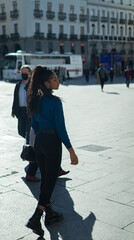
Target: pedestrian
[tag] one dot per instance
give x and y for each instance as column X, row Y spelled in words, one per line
column 86, row 74
column 127, row 76
column 19, row 110
column 49, row 126
column 111, row 75
column 102, row 76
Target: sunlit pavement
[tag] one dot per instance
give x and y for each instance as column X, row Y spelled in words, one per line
column 97, row 196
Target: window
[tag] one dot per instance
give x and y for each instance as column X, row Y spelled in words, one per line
column 82, row 11
column 103, row 30
column 49, row 28
column 93, row 29
column 3, row 29
column 82, row 30
column 61, row 7
column 112, row 31
column 121, row 1
column 112, row 1
column 121, row 32
column 14, row 5
column 2, row 8
column 130, row 2
column 50, row 47
column 121, row 15
column 38, row 46
column 130, row 32
column 92, row 12
column 103, row 13
column 72, row 9
column 71, row 29
column 15, row 28
column 61, row 29
column 130, row 16
column 37, row 5
column 112, row 14
column 49, row 6
column 37, row 27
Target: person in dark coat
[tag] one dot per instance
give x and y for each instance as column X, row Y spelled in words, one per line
column 19, row 110
column 102, row 76
column 86, row 74
column 111, row 75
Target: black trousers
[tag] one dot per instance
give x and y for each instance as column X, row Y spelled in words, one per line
column 24, row 125
column 48, row 149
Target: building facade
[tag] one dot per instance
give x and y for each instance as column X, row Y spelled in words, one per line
column 86, row 27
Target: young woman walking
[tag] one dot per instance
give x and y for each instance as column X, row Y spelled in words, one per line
column 49, row 126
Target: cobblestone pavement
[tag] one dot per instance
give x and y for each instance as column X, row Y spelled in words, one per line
column 97, row 196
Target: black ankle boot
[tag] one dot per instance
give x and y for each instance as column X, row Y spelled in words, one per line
column 34, row 222
column 52, row 217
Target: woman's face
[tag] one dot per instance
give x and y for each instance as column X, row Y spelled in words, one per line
column 53, row 83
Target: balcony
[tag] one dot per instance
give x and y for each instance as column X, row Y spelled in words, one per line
column 38, row 35
column 38, row 13
column 83, row 18
column 111, row 38
column 83, row 37
column 73, row 36
column 113, row 20
column 50, row 15
column 72, row 17
column 104, row 19
column 3, row 38
column 122, row 21
column 62, row 36
column 61, row 16
column 130, row 39
column 15, row 36
column 51, row 36
column 3, row 16
column 94, row 37
column 130, row 22
column 94, row 18
column 14, row 14
column 121, row 38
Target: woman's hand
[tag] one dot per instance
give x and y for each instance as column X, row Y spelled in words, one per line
column 73, row 156
column 74, row 159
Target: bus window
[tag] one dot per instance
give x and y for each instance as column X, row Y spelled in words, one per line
column 19, row 65
column 9, row 62
column 67, row 60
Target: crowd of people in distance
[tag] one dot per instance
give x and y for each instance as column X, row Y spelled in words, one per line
column 62, row 74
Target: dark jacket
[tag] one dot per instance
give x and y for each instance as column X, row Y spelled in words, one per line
column 15, row 106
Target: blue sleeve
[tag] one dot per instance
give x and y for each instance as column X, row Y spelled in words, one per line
column 60, row 124
column 34, row 125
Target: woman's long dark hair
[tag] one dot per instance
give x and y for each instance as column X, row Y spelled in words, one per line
column 36, row 88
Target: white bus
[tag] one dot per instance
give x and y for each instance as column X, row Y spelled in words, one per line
column 13, row 62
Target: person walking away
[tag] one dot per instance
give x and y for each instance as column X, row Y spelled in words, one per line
column 86, row 74
column 102, row 76
column 111, row 75
column 49, row 127
column 19, row 110
column 127, row 76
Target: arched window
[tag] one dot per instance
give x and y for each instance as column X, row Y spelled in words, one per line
column 129, row 32
column 121, row 32
column 93, row 29
column 103, row 30
column 112, row 31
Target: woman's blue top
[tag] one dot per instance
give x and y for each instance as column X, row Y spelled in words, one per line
column 49, row 115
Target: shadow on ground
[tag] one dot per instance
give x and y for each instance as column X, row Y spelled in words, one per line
column 74, row 226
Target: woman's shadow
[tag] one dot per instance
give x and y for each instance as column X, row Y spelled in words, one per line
column 74, row 226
